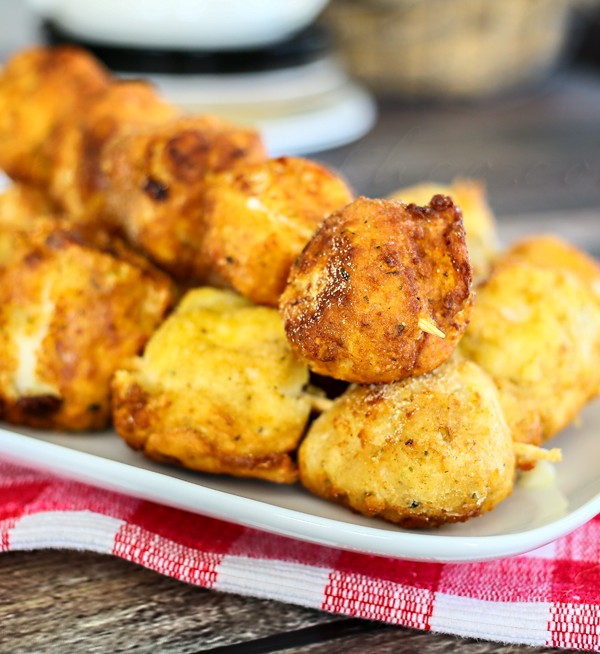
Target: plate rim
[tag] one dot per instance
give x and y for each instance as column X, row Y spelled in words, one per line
column 131, row 480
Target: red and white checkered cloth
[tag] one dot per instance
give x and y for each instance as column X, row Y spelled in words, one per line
column 548, row 597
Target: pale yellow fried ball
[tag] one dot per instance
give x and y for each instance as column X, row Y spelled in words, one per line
column 381, row 292
column 72, row 308
column 554, row 252
column 536, row 330
column 259, row 216
column 217, row 390
column 421, row 452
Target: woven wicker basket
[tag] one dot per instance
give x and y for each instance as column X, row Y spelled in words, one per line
column 449, row 48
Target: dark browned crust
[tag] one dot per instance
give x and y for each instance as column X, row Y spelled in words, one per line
column 36, row 411
column 357, row 291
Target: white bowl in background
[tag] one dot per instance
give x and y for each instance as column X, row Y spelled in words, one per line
column 182, row 24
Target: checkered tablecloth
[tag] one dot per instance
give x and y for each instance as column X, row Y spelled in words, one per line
column 548, row 597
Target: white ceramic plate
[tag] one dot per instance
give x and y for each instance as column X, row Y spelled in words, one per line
column 298, row 111
column 528, row 519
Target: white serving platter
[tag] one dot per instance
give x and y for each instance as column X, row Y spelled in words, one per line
column 529, row 518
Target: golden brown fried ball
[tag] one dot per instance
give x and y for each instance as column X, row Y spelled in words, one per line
column 420, row 452
column 381, row 292
column 12, row 241
column 478, row 219
column 157, row 181
column 260, row 216
column 536, row 330
column 70, row 312
column 20, row 203
column 21, row 208
column 78, row 184
column 40, row 89
column 548, row 250
column 217, row 390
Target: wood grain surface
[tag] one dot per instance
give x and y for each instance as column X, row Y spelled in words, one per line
column 63, row 601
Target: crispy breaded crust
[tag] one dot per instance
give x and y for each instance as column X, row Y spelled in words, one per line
column 78, row 184
column 536, row 330
column 370, row 294
column 552, row 251
column 40, row 88
column 139, row 419
column 157, row 181
column 217, row 390
column 479, row 222
column 20, row 203
column 259, row 216
column 72, row 309
column 421, row 452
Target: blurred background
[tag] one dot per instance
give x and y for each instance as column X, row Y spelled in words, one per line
column 389, row 92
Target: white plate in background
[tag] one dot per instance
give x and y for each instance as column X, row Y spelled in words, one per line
column 298, row 110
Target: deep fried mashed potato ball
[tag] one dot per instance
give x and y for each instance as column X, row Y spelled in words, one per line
column 217, row 390
column 77, row 183
column 41, row 88
column 547, row 250
column 478, row 219
column 20, row 206
column 420, row 452
column 536, row 330
column 71, row 309
column 19, row 203
column 260, row 216
column 157, row 182
column 381, row 292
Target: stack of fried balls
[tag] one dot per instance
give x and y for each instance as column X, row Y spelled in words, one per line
column 242, row 315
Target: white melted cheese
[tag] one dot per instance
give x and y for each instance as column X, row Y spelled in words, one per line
column 28, row 340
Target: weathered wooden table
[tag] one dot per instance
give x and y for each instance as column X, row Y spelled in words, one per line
column 60, row 602
column 540, row 156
